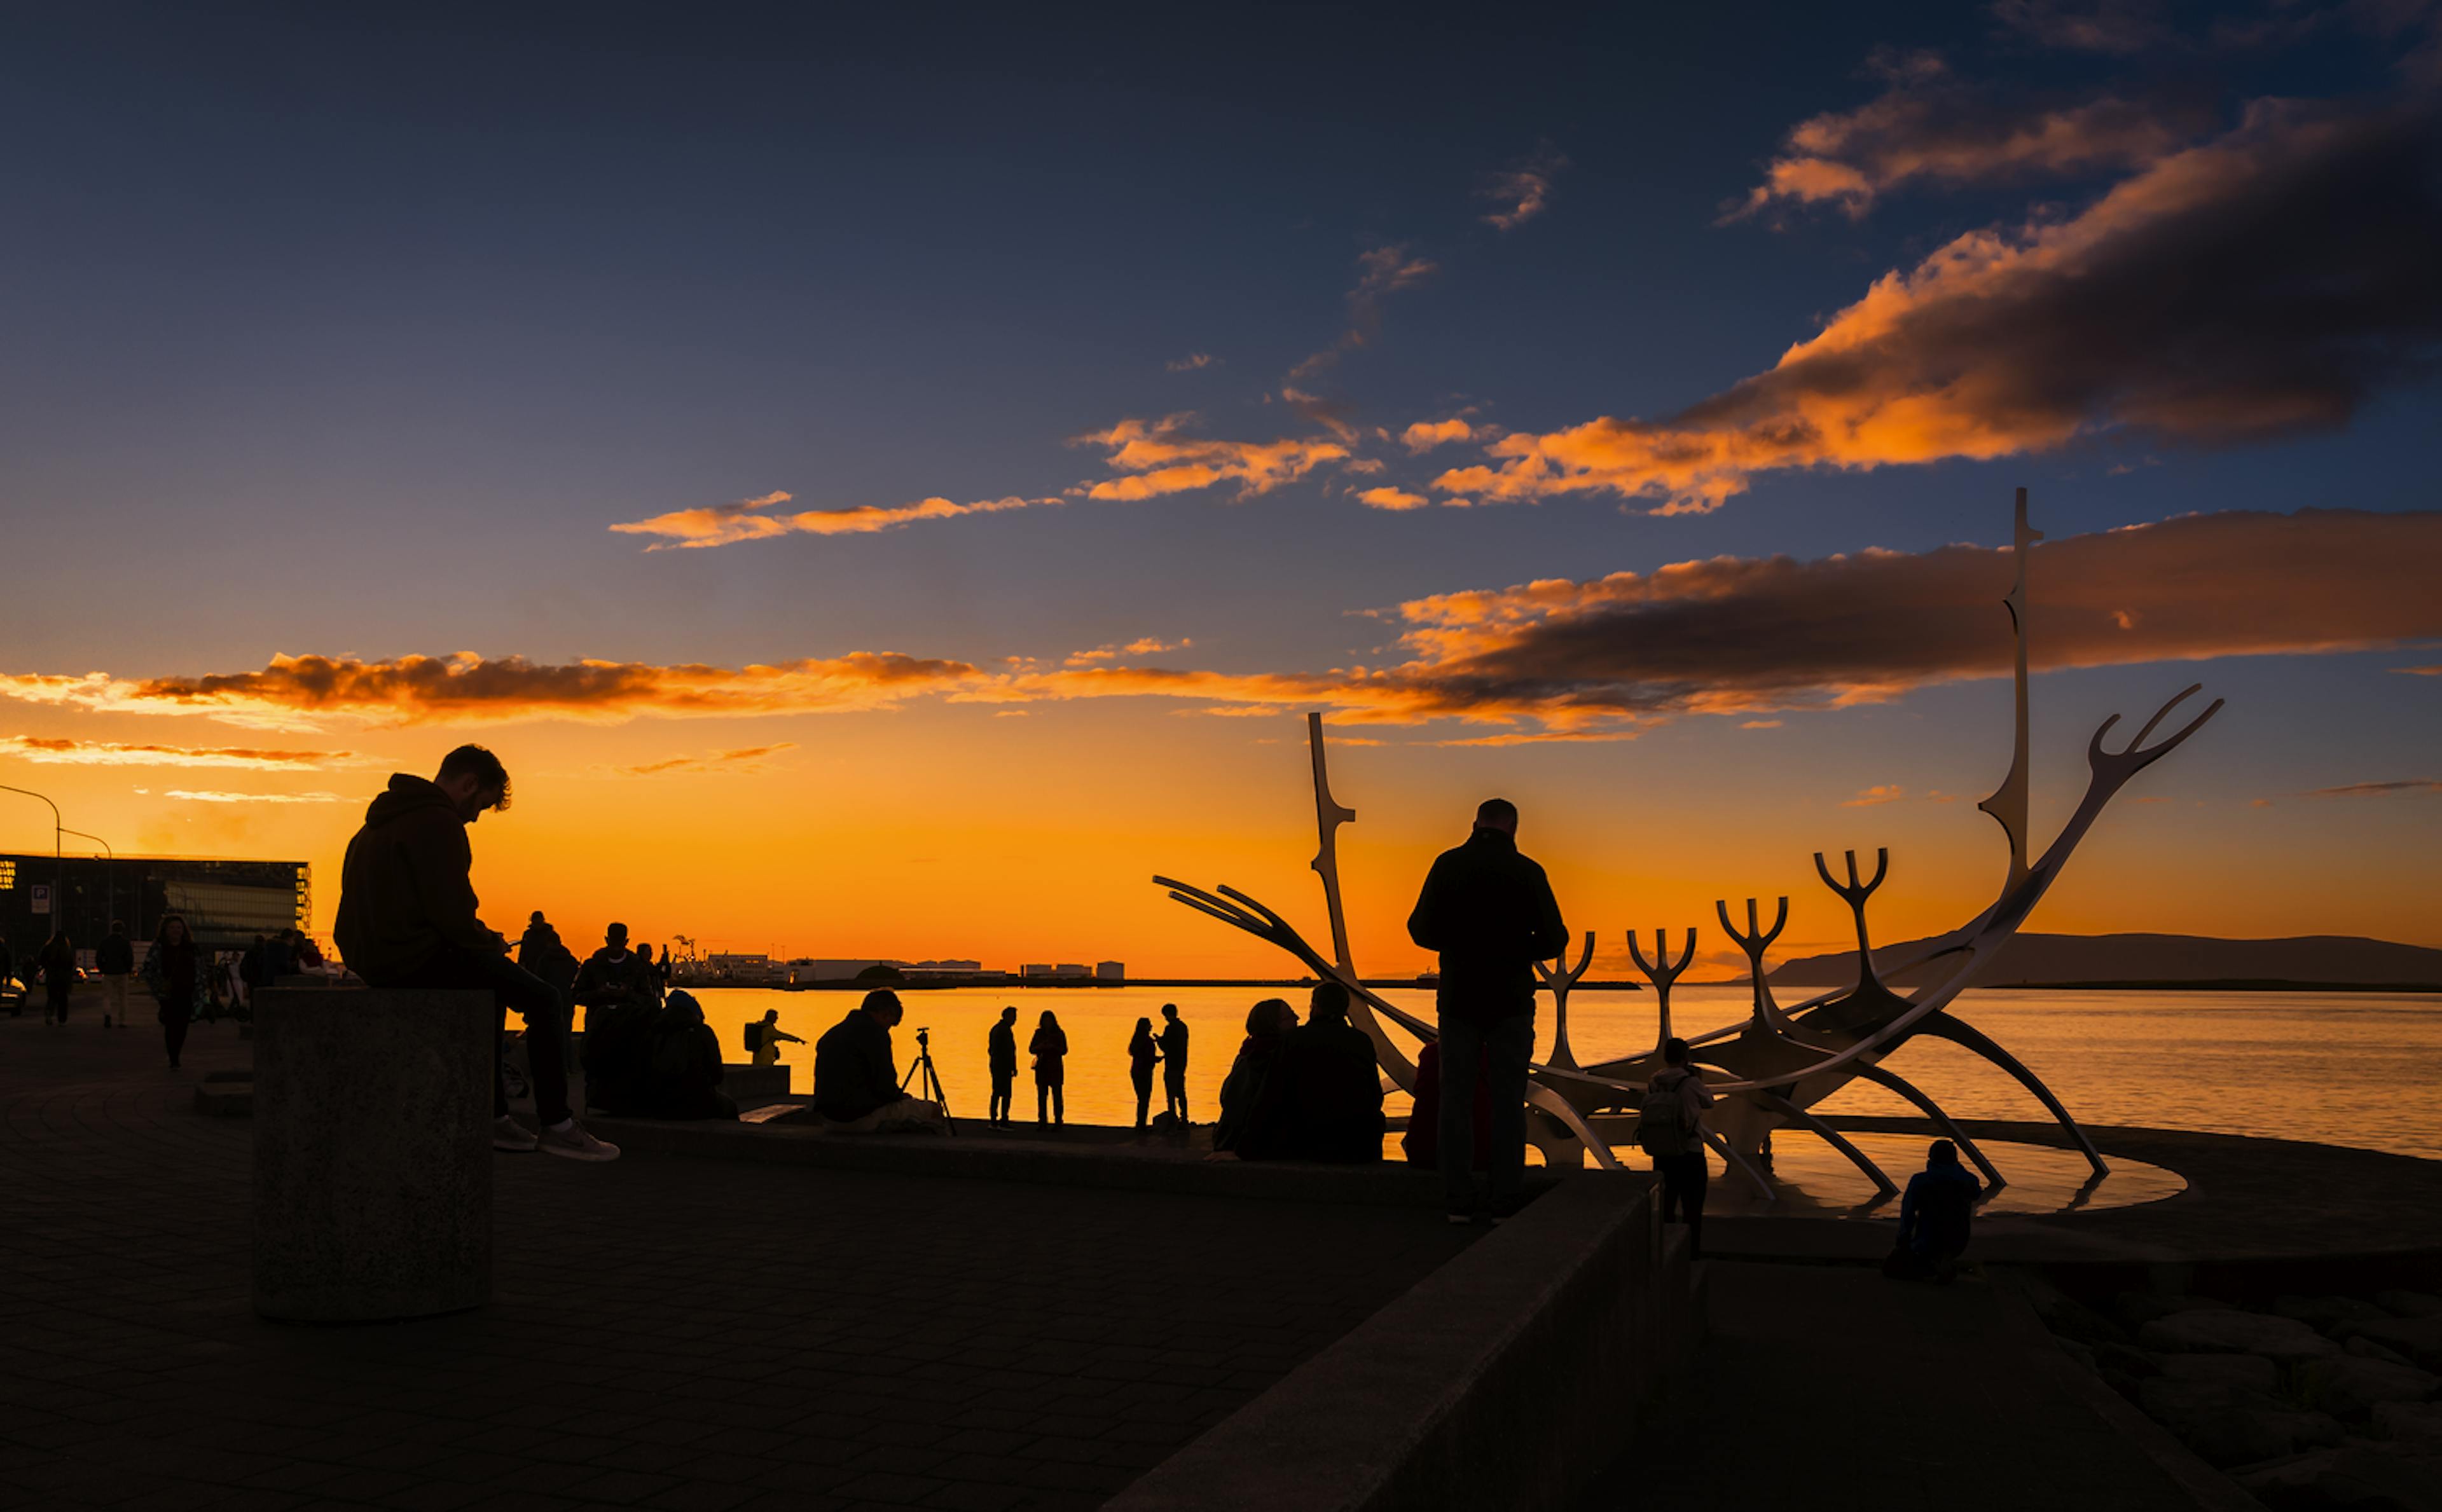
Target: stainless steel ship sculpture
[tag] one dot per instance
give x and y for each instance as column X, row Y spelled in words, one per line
column 1772, row 1067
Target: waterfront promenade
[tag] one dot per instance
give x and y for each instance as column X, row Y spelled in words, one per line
column 666, row 1333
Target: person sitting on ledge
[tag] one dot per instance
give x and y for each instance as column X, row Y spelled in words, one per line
column 618, row 1022
column 682, row 1069
column 1936, row 1212
column 856, row 1081
column 407, row 919
column 1253, row 1124
column 1334, row 1084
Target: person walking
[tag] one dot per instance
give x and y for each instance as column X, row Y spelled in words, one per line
column 1173, row 1063
column 1000, row 1047
column 176, row 971
column 1670, row 1128
column 8, row 979
column 56, row 965
column 1049, row 1049
column 408, row 918
column 115, row 958
column 1142, row 1053
column 1489, row 913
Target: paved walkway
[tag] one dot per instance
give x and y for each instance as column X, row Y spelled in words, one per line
column 1829, row 1388
column 666, row 1333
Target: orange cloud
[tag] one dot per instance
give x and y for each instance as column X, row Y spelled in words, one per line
column 1880, row 793
column 1190, row 362
column 305, row 692
column 1427, row 434
column 1160, row 460
column 1142, row 646
column 1556, row 659
column 1523, row 190
column 2265, row 283
column 48, row 750
column 1392, row 499
column 185, row 796
column 722, row 525
column 743, row 760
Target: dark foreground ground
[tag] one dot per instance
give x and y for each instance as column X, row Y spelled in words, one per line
column 666, row 1333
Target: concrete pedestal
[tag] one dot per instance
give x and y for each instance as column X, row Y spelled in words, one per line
column 373, row 1153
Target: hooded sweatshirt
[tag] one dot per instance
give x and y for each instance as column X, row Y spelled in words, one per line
column 405, row 896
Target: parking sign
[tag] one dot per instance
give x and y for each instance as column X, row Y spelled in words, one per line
column 42, row 898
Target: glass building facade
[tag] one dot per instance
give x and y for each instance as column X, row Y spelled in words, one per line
column 225, row 902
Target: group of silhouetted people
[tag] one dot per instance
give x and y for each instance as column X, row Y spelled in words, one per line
column 1308, row 1091
column 1048, row 1047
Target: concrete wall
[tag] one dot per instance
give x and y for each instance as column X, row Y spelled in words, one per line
column 1506, row 1379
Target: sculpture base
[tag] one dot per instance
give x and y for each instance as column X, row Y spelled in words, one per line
column 373, row 1153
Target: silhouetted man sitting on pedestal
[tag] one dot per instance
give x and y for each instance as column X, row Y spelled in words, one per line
column 407, row 920
column 856, row 1081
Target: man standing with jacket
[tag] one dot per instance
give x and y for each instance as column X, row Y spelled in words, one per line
column 1490, row 913
column 114, row 958
column 408, row 919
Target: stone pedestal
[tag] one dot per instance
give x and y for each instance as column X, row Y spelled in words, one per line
column 373, row 1153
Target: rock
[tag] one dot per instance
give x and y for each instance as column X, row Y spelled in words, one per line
column 2137, row 1308
column 2357, row 1479
column 2240, row 1372
column 2228, row 1427
column 2077, row 1352
column 2121, row 1357
column 2409, row 1303
column 2348, row 1386
column 2368, row 1349
column 2419, row 1338
column 2323, row 1314
column 2418, row 1425
column 2215, row 1332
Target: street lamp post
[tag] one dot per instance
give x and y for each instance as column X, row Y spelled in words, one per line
column 110, row 875
column 59, row 871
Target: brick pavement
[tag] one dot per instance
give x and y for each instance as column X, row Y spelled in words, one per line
column 665, row 1333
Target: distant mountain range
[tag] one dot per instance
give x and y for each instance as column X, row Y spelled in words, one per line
column 2161, row 960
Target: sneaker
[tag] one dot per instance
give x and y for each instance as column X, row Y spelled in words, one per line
column 575, row 1145
column 507, row 1133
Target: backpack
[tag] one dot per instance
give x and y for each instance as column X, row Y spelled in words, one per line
column 754, row 1035
column 1662, row 1127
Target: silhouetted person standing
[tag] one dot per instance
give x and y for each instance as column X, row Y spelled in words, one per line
column 1049, row 1048
column 772, row 1036
column 1490, row 913
column 176, row 971
column 1142, row 1053
column 115, row 958
column 8, row 977
column 1001, row 1050
column 619, row 1009
column 1670, row 1128
column 57, row 963
column 408, row 919
column 1174, row 1062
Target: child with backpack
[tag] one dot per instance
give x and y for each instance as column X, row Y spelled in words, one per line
column 1669, row 1127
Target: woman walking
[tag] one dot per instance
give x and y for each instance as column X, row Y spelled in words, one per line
column 58, row 965
column 1142, row 1053
column 1049, row 1048
column 172, row 972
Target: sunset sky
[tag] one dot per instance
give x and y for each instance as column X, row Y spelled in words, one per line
column 888, row 482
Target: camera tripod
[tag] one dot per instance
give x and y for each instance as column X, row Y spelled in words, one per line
column 930, row 1084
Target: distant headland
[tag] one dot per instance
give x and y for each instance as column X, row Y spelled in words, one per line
column 2199, row 962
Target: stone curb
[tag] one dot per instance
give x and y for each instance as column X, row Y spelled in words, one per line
column 1507, row 1378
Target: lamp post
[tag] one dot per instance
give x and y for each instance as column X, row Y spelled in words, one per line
column 110, row 874
column 58, row 871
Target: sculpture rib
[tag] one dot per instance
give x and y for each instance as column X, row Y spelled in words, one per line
column 1831, row 1137
column 1883, row 1077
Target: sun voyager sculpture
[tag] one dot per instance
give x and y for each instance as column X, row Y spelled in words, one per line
column 1770, row 1069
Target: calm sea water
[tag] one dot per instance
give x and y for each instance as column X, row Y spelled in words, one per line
column 2338, row 1069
